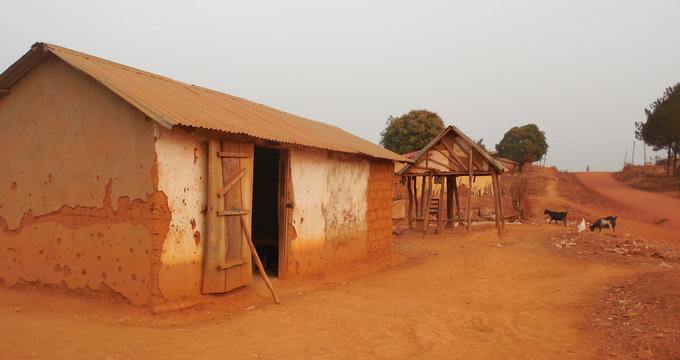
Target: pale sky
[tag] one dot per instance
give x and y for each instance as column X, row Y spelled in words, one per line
column 583, row 71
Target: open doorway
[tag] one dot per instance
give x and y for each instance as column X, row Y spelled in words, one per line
column 265, row 223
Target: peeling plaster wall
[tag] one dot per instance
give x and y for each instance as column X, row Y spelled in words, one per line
column 182, row 176
column 329, row 217
column 77, row 201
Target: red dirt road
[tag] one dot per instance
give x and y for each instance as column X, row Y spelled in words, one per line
column 657, row 209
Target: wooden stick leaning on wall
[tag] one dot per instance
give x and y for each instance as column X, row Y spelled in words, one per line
column 257, row 260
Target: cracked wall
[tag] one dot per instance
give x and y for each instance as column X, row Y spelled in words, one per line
column 329, row 218
column 78, row 206
column 182, row 175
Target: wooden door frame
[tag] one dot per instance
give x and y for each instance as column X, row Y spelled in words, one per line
column 284, row 199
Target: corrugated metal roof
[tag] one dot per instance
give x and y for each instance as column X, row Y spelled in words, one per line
column 171, row 102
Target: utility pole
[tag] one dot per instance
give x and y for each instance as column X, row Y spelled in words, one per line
column 625, row 157
column 644, row 148
column 632, row 158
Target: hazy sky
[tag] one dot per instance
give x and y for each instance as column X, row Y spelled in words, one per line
column 583, row 71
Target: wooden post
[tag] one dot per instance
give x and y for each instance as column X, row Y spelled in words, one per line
column 410, row 203
column 496, row 202
column 440, row 221
column 449, row 199
column 415, row 195
column 500, row 199
column 469, row 204
column 455, row 190
column 428, row 203
column 423, row 187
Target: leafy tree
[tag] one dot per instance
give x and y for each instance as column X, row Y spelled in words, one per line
column 662, row 128
column 523, row 144
column 480, row 143
column 411, row 132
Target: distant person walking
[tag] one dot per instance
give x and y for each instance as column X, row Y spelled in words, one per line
column 588, row 168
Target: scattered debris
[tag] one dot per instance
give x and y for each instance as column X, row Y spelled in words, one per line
column 619, row 248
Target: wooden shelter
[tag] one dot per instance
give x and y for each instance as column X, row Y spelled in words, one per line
column 449, row 155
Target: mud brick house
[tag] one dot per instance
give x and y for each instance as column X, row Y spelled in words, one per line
column 117, row 179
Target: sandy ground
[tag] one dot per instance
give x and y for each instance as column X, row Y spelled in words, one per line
column 531, row 295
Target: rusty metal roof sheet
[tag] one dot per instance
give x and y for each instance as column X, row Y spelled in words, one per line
column 171, row 102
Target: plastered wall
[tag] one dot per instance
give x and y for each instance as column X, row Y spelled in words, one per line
column 78, row 206
column 329, row 217
column 182, row 171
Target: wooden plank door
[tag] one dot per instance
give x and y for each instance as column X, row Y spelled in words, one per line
column 227, row 259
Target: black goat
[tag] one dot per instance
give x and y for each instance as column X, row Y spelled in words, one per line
column 602, row 223
column 557, row 216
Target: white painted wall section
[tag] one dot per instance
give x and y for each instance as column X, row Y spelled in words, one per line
column 330, row 198
column 182, row 171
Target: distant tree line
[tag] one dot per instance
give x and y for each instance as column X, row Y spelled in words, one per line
column 662, row 129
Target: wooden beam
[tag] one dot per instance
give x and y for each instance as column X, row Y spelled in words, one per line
column 462, row 145
column 232, row 154
column 454, row 161
column 409, row 214
column 284, row 171
column 496, row 195
column 415, row 194
column 469, row 204
column 453, row 154
column 429, row 203
column 449, row 199
column 232, row 212
column 500, row 199
column 253, row 252
column 439, row 163
column 440, row 220
column 423, row 187
column 455, row 190
column 231, row 183
column 230, row 264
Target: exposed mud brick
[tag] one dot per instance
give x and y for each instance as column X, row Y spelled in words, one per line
column 379, row 215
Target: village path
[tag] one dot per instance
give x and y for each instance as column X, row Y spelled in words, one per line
column 658, row 209
column 456, row 296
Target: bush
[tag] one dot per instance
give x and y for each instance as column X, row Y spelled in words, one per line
column 518, row 188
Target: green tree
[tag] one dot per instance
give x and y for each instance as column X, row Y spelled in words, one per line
column 411, row 132
column 523, row 144
column 662, row 128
